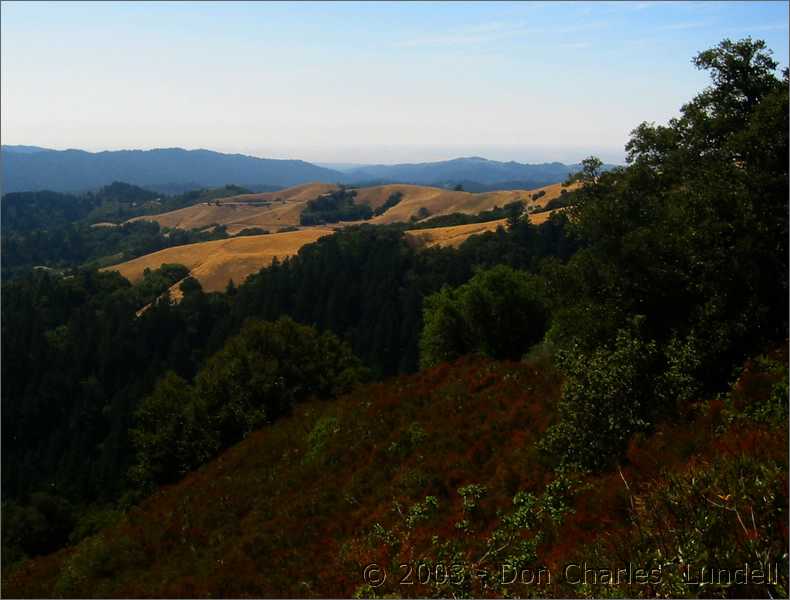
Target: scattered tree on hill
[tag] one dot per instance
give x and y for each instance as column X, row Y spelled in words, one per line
column 335, row 206
column 252, row 231
column 391, row 201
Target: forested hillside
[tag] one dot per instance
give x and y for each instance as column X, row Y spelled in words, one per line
column 607, row 387
column 66, row 231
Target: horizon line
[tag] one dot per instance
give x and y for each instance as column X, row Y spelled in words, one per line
column 339, row 161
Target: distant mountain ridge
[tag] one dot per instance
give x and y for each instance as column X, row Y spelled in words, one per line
column 19, row 149
column 471, row 170
column 32, row 168
column 77, row 170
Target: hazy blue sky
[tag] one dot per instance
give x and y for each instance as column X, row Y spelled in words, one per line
column 368, row 82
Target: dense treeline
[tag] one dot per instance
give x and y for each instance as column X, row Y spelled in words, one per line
column 63, row 231
column 367, row 284
column 77, row 244
column 115, row 203
column 684, row 270
column 77, row 361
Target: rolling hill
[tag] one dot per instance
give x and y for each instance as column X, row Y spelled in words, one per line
column 452, row 236
column 77, row 170
column 269, row 210
column 273, row 210
column 214, row 263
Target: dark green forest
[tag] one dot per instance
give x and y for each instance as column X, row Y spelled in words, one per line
column 65, row 231
column 655, row 283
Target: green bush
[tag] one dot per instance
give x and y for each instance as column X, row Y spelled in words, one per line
column 607, row 396
column 257, row 377
column 39, row 526
column 172, row 434
column 500, row 312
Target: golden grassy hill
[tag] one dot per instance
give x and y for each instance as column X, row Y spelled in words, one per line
column 215, row 263
column 274, row 210
column 551, row 192
column 270, row 210
column 439, row 201
column 542, row 217
column 453, row 235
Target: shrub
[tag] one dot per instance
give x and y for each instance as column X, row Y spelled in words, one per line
column 500, row 312
column 172, row 434
column 607, row 396
column 257, row 377
column 252, row 231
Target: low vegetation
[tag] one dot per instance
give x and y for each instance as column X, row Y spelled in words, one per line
column 435, row 479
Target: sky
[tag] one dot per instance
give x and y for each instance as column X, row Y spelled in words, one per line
column 361, row 82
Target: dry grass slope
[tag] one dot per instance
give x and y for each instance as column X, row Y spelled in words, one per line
column 215, row 263
column 270, row 210
column 454, row 235
column 274, row 210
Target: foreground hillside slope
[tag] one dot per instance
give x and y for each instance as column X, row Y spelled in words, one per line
column 442, row 468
